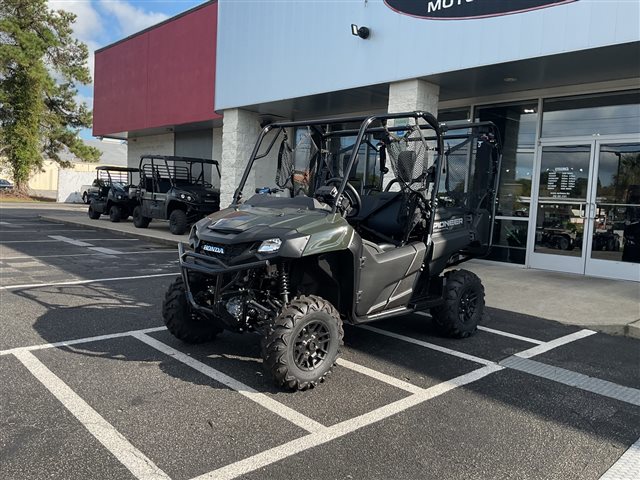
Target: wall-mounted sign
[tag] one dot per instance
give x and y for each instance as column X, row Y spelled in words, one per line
column 464, row 9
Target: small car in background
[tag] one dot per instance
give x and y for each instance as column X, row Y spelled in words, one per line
column 5, row 184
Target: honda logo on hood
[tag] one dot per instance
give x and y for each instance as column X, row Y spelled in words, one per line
column 465, row 9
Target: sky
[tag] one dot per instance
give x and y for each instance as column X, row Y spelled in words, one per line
column 101, row 22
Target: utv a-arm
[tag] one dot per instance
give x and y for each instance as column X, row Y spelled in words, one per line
column 176, row 189
column 358, row 223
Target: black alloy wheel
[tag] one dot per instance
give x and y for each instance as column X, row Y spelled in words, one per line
column 304, row 343
column 463, row 305
column 312, row 346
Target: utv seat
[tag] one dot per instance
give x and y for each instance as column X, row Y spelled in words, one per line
column 380, row 214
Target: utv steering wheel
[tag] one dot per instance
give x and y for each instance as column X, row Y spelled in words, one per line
column 350, row 194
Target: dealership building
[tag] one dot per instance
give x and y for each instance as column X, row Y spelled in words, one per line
column 560, row 79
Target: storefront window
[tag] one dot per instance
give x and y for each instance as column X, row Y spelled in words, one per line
column 517, row 126
column 603, row 114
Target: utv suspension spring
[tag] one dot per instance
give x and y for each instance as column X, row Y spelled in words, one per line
column 284, row 284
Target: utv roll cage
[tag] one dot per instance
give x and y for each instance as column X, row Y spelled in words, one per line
column 171, row 170
column 376, row 127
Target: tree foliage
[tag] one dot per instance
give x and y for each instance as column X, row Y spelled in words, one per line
column 40, row 65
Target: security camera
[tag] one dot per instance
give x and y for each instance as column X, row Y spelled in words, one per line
column 362, row 32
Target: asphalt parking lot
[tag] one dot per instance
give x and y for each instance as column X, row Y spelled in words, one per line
column 93, row 386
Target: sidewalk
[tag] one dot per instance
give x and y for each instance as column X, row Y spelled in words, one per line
column 610, row 306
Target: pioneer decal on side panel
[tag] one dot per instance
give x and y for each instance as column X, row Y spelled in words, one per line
column 467, row 9
column 443, row 225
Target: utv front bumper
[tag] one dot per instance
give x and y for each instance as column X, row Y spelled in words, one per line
column 212, row 267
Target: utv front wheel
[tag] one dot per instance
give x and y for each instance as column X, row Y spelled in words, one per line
column 304, row 344
column 178, row 222
column 93, row 215
column 463, row 305
column 115, row 213
column 139, row 220
column 182, row 321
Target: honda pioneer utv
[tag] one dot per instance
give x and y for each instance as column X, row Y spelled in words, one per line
column 174, row 188
column 114, row 193
column 338, row 237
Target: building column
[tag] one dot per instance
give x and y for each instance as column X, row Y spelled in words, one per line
column 240, row 130
column 415, row 94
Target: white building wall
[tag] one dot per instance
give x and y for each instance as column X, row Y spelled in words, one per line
column 163, row 144
column 269, row 51
column 216, row 153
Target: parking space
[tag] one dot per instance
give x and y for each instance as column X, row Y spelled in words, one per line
column 99, row 389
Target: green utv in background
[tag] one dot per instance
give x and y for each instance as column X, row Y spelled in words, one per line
column 112, row 193
column 337, row 236
column 175, row 189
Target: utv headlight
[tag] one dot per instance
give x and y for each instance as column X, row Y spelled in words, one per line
column 183, row 196
column 119, row 197
column 270, row 246
column 189, row 198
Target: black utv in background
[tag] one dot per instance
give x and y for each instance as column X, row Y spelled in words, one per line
column 113, row 193
column 174, row 188
column 336, row 236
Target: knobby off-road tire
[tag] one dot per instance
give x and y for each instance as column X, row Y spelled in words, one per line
column 93, row 215
column 463, row 305
column 182, row 321
column 304, row 344
column 139, row 220
column 178, row 222
column 115, row 213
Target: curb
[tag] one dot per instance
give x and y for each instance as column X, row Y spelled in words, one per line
column 115, row 231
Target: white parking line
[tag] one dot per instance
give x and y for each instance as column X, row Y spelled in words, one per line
column 627, row 467
column 76, row 341
column 267, row 402
column 108, row 251
column 77, row 243
column 46, row 231
column 383, row 377
column 545, row 347
column 294, row 447
column 87, row 254
column 84, row 282
column 88, row 239
column 497, row 332
column 136, row 462
column 510, row 335
column 431, row 346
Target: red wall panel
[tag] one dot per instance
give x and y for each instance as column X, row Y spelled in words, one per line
column 164, row 76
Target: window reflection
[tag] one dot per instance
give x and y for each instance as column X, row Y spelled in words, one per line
column 603, row 114
column 616, row 228
column 517, row 126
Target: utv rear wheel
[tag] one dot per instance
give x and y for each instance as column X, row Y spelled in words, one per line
column 139, row 220
column 304, row 344
column 463, row 305
column 182, row 321
column 93, row 215
column 178, row 222
column 115, row 213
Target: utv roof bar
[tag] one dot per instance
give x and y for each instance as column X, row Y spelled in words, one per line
column 180, row 159
column 117, row 169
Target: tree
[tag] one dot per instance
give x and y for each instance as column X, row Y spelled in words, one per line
column 40, row 66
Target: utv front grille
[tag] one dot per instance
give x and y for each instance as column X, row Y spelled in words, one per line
column 228, row 253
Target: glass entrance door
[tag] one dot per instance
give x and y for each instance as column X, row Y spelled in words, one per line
column 614, row 224
column 587, row 209
column 562, row 207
